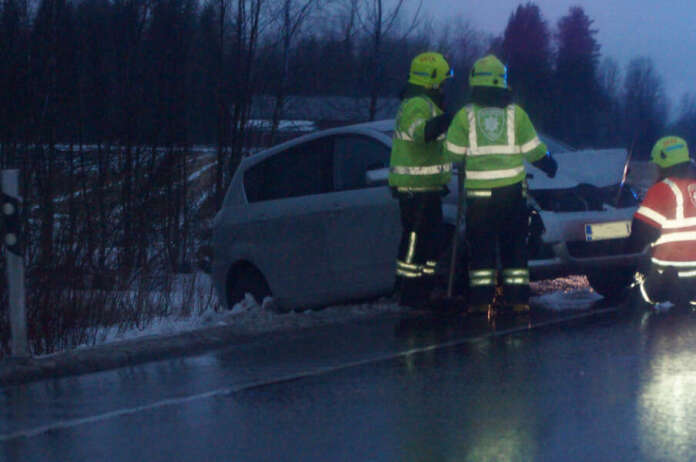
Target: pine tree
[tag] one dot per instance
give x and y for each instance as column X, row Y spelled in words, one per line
column 576, row 79
column 526, row 49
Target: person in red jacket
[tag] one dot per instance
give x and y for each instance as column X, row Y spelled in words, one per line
column 666, row 220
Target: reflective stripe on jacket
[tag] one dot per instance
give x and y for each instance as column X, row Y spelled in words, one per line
column 670, row 206
column 494, row 143
column 415, row 164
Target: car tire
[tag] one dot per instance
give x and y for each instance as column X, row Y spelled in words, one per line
column 245, row 279
column 611, row 284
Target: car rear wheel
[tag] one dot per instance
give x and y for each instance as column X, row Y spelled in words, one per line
column 245, row 279
column 611, row 283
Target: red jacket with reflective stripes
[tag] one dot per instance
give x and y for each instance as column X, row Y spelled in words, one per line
column 670, row 207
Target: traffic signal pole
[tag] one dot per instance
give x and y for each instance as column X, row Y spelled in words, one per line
column 9, row 209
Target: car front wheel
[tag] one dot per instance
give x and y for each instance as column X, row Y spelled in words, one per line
column 611, row 283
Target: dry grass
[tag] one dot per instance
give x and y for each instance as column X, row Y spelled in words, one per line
column 106, row 263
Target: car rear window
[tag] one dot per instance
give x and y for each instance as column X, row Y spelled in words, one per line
column 299, row 171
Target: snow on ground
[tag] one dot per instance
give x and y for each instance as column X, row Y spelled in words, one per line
column 195, row 175
column 253, row 317
column 283, row 125
column 250, row 317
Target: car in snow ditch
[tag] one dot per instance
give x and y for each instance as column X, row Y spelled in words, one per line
column 312, row 221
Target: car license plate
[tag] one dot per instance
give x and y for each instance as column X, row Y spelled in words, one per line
column 612, row 230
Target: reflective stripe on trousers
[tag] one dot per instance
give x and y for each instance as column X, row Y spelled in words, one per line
column 483, row 277
column 429, row 268
column 516, row 276
column 408, row 270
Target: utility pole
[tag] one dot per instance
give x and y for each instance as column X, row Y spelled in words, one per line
column 10, row 203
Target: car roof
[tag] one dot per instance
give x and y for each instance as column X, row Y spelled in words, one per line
column 380, row 129
column 376, row 129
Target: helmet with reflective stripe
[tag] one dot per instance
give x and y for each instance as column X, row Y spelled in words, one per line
column 669, row 151
column 429, row 70
column 488, row 72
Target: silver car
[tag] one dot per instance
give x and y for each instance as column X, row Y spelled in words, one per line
column 312, row 221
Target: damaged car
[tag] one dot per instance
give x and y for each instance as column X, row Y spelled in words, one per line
column 312, row 221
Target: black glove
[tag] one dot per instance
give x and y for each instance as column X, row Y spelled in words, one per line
column 642, row 235
column 437, row 126
column 548, row 165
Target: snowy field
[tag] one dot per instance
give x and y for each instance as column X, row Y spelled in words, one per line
column 253, row 317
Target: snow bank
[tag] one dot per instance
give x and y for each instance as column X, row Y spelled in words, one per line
column 249, row 316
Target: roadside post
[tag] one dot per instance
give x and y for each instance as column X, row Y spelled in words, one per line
column 10, row 203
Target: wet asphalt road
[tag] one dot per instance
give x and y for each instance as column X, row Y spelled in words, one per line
column 609, row 386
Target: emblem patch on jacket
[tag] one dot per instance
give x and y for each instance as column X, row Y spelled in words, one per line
column 491, row 120
column 692, row 193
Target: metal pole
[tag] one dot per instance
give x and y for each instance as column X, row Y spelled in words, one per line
column 455, row 238
column 15, row 262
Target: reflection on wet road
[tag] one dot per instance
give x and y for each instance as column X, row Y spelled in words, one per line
column 612, row 386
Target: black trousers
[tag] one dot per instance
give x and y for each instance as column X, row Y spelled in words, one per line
column 421, row 235
column 496, row 231
column 663, row 284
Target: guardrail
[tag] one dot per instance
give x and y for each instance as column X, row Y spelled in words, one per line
column 10, row 206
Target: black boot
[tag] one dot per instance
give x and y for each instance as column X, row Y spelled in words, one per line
column 413, row 293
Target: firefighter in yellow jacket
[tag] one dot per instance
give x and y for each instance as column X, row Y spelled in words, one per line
column 491, row 138
column 419, row 172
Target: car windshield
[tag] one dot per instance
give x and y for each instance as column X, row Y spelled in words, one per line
column 555, row 146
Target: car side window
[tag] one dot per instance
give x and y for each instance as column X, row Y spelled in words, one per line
column 302, row 170
column 354, row 155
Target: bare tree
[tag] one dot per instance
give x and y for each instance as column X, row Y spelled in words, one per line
column 462, row 46
column 644, row 105
column 248, row 28
column 293, row 14
column 685, row 125
column 378, row 21
column 221, row 98
column 609, row 112
column 235, row 67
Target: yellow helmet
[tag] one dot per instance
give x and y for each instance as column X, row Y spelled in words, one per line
column 669, row 151
column 429, row 70
column 488, row 72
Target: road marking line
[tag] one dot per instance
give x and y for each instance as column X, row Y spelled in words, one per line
column 29, row 433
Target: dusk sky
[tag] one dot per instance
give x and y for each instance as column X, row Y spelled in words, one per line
column 664, row 31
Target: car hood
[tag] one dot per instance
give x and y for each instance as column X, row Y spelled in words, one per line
column 601, row 168
column 598, row 167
